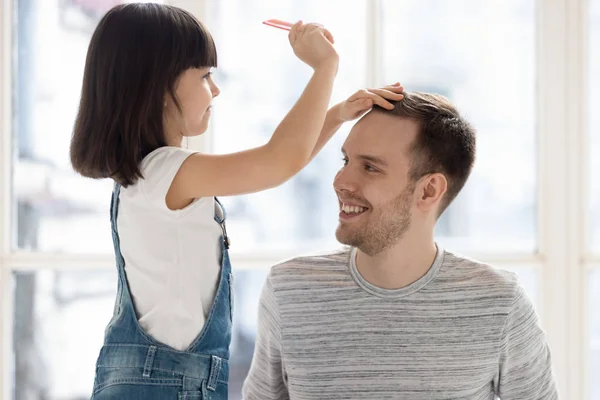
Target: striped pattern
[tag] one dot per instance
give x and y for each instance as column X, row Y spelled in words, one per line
column 463, row 331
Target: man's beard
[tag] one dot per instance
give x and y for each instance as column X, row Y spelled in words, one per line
column 382, row 228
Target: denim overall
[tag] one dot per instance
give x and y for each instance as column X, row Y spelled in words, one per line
column 134, row 366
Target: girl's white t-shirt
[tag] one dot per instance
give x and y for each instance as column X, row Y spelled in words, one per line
column 172, row 258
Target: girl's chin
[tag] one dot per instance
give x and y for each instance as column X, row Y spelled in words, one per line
column 197, row 131
column 193, row 134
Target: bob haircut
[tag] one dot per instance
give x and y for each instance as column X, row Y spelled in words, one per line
column 136, row 54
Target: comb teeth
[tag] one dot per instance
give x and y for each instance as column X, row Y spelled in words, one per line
column 277, row 23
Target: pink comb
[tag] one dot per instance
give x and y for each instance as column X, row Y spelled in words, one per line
column 277, row 23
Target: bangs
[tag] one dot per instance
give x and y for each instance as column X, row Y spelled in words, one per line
column 197, row 48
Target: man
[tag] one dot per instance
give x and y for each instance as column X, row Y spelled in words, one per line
column 396, row 316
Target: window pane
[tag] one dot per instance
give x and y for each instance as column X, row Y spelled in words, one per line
column 594, row 90
column 60, row 317
column 594, row 317
column 260, row 80
column 248, row 286
column 55, row 209
column 481, row 55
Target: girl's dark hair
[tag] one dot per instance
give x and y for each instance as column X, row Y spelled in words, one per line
column 134, row 59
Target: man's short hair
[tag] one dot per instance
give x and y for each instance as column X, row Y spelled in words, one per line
column 445, row 142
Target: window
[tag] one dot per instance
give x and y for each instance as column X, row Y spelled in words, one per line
column 594, row 318
column 60, row 317
column 594, row 190
column 594, row 124
column 55, row 210
column 478, row 54
column 495, row 60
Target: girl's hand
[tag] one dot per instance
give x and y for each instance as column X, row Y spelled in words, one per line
column 363, row 100
column 313, row 44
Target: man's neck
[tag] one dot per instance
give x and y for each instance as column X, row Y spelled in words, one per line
column 400, row 265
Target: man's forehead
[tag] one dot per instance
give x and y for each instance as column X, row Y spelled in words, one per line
column 383, row 132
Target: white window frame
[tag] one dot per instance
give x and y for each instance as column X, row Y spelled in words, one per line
column 563, row 260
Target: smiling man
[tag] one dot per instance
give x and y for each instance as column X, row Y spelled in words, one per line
column 396, row 316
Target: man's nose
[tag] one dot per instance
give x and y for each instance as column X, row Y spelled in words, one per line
column 344, row 182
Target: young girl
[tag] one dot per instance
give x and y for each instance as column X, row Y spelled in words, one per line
column 146, row 86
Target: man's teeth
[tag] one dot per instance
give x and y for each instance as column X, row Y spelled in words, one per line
column 352, row 209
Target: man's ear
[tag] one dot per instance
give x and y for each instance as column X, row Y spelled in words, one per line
column 430, row 191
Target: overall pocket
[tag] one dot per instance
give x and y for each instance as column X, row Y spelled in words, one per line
column 128, row 383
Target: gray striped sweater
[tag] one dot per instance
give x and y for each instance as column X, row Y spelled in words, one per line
column 463, row 331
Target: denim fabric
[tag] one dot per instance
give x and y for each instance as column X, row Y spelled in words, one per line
column 132, row 365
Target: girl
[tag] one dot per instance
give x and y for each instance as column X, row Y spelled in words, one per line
column 147, row 85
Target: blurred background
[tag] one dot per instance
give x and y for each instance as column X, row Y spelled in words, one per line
column 532, row 204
